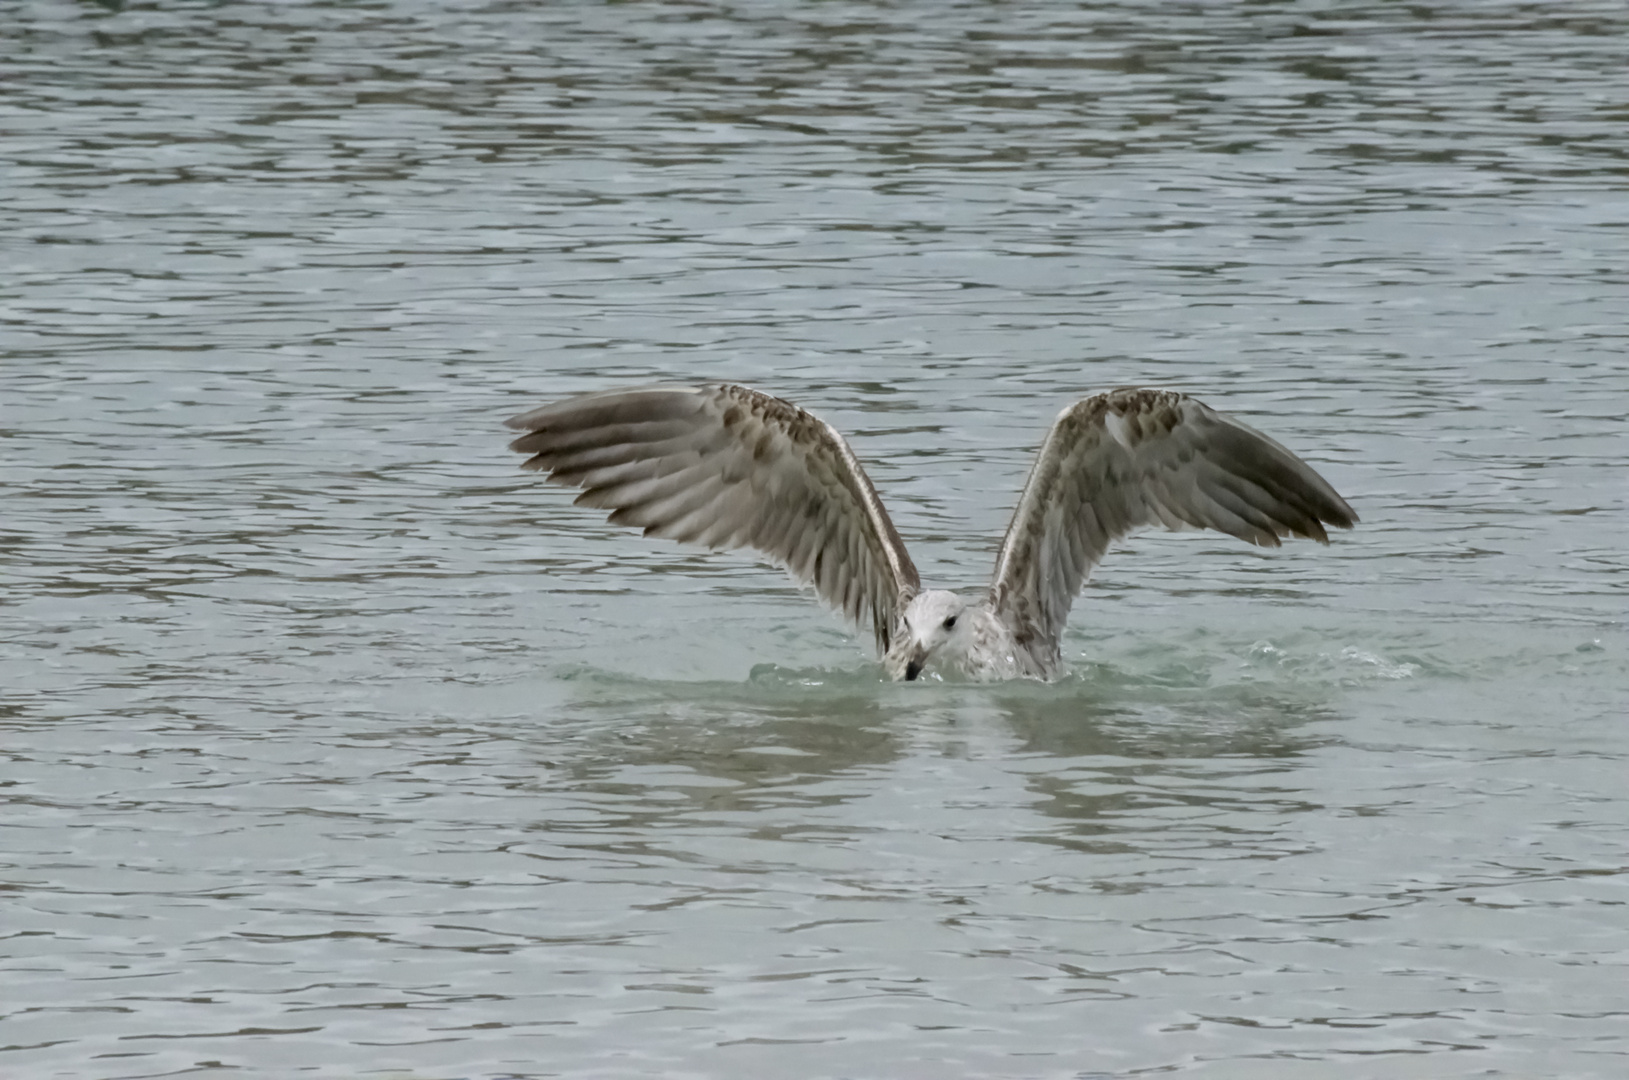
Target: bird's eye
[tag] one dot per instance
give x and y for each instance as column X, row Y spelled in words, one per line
column 950, row 623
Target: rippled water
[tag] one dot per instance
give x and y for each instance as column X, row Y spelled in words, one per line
column 334, row 746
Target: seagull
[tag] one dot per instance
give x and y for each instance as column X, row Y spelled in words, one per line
column 731, row 467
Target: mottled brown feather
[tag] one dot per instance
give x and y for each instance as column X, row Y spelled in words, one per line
column 729, row 467
column 1128, row 459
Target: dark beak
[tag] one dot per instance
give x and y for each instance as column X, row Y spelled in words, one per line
column 912, row 670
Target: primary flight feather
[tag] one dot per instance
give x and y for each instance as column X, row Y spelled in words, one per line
column 728, row 467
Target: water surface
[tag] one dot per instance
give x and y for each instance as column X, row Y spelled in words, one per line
column 334, row 746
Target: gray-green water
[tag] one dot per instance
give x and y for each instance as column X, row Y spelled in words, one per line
column 334, row 746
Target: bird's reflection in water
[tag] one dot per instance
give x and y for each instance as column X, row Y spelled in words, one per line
column 735, row 745
column 1155, row 767
column 1157, row 724
column 782, row 734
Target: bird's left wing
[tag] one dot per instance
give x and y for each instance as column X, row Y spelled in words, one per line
column 1124, row 460
column 728, row 467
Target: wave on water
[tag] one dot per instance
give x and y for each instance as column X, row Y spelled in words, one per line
column 1150, row 666
column 1347, row 666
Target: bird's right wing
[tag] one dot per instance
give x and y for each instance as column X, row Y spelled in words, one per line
column 729, row 467
column 1124, row 460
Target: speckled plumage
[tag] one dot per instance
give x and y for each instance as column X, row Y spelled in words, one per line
column 728, row 466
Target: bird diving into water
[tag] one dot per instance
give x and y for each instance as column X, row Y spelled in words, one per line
column 730, row 467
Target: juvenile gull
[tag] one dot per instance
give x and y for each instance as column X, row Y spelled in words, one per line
column 729, row 467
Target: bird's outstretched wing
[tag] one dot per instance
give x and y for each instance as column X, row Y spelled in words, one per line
column 729, row 467
column 1127, row 459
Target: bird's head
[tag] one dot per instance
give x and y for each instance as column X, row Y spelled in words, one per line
column 930, row 619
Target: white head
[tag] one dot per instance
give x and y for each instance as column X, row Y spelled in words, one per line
column 931, row 619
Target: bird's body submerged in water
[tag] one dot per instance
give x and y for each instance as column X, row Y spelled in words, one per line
column 728, row 466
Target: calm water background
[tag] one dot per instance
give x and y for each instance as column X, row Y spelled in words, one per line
column 336, row 747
